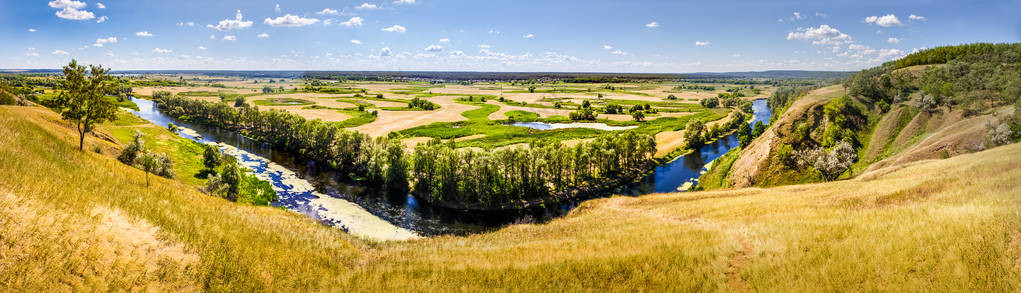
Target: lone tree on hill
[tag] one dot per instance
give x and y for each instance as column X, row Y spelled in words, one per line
column 83, row 97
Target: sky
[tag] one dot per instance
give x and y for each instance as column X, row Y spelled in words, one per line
column 462, row 35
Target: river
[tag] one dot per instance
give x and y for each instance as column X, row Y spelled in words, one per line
column 315, row 192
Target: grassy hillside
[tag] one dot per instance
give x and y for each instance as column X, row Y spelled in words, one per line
column 79, row 220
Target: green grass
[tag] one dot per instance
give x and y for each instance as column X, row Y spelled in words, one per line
column 283, row 102
column 186, row 153
column 716, row 177
column 522, row 116
column 358, row 118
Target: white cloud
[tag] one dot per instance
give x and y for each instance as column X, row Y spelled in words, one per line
column 797, row 16
column 884, row 21
column 289, row 20
column 143, row 34
column 263, row 35
column 97, row 45
column 434, row 48
column 277, row 8
column 230, row 38
column 893, row 40
column 484, row 46
column 619, row 52
column 328, row 11
column 394, row 28
column 31, row 30
column 109, row 54
column 445, row 40
column 190, row 23
column 356, row 42
column 916, row 50
column 528, row 36
column 59, row 4
column 102, row 19
column 367, row 6
column 820, row 14
column 822, row 35
column 162, row 51
column 212, row 37
column 457, row 53
column 100, row 5
column 701, row 43
column 74, row 14
column 652, row 24
column 404, row 2
column 607, row 47
column 110, row 40
column 230, row 24
column 59, row 52
column 917, row 17
column 354, row 21
column 385, row 52
column 202, row 48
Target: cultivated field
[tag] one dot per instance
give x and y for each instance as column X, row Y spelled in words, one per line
column 381, row 108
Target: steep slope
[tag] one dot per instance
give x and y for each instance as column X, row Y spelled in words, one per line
column 81, row 221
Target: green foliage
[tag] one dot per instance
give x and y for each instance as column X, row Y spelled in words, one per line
column 1004, row 52
column 83, row 97
column 693, row 134
column 639, row 116
column 710, row 102
column 211, row 157
column 613, row 109
column 133, row 149
column 417, row 103
column 585, row 113
column 522, row 116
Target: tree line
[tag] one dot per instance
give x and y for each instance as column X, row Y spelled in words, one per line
column 439, row 172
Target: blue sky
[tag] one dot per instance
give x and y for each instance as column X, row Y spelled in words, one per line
column 604, row 36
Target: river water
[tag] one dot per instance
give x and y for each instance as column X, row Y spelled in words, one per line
column 316, row 192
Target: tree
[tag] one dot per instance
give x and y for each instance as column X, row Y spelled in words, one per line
column 147, row 162
column 759, row 129
column 531, row 89
column 239, row 101
column 133, row 149
column 211, row 157
column 671, row 97
column 83, row 98
column 639, row 116
column 693, row 133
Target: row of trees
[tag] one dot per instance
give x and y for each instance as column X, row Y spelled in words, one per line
column 383, row 162
column 543, row 170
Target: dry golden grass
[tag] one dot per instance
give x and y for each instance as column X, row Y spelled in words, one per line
column 946, row 225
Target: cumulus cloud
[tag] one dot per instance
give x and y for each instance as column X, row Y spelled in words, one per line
column 328, row 11
column 619, row 52
column 143, row 34
column 444, row 40
column 100, row 5
column 652, row 24
column 230, row 38
column 367, row 6
column 277, row 8
column 404, row 2
column 354, row 21
column 434, row 48
column 290, row 21
column 528, row 36
column 394, row 28
column 212, row 37
column 263, row 35
column 822, row 35
column 59, row 52
column 32, row 53
column 58, row 4
column 701, row 43
column 917, row 17
column 356, row 42
column 230, row 24
column 162, row 51
column 31, row 30
column 607, row 47
column 72, row 10
column 884, row 21
column 202, row 48
column 385, row 52
column 484, row 46
column 457, row 53
column 893, row 40
column 101, row 19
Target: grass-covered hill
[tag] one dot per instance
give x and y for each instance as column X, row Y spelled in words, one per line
column 936, row 103
column 82, row 221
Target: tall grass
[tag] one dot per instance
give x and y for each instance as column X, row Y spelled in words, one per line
column 949, row 225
